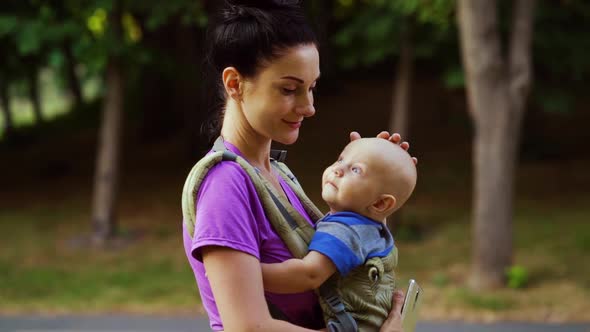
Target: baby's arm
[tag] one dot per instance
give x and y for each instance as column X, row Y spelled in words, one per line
column 297, row 275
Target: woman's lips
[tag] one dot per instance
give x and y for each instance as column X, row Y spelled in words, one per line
column 294, row 125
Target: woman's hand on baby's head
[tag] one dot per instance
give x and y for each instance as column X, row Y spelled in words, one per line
column 395, row 138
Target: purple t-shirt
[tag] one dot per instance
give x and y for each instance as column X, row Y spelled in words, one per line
column 230, row 214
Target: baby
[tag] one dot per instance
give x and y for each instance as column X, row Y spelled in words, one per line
column 371, row 179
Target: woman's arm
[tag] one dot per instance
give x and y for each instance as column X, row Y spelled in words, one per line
column 297, row 275
column 236, row 282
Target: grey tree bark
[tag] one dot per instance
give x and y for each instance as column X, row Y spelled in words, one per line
column 106, row 178
column 402, row 88
column 33, row 78
column 6, row 111
column 497, row 90
column 72, row 76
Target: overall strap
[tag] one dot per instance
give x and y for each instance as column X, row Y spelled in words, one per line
column 290, row 179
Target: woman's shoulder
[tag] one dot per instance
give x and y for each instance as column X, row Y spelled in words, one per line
column 227, row 174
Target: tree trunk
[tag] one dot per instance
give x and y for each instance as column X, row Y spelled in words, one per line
column 402, row 88
column 496, row 90
column 34, row 94
column 106, row 178
column 6, row 111
column 72, row 77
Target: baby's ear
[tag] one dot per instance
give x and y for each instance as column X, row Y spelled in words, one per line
column 384, row 204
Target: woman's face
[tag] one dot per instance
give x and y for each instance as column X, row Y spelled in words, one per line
column 280, row 97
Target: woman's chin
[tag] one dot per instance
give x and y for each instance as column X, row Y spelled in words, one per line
column 287, row 139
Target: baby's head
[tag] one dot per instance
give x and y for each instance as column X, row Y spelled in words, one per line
column 373, row 177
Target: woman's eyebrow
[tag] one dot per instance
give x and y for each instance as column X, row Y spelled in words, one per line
column 297, row 78
column 293, row 78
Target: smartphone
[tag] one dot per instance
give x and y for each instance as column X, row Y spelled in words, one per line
column 411, row 306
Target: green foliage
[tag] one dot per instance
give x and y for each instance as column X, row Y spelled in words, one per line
column 372, row 29
column 554, row 100
column 187, row 12
column 517, row 276
column 454, row 78
column 561, row 43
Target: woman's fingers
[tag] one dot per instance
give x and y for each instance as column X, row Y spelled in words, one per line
column 405, row 145
column 393, row 323
column 354, row 136
column 395, row 138
column 398, row 302
column 384, row 134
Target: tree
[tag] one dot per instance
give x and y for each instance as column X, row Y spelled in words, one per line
column 497, row 91
column 6, row 110
column 106, row 179
column 380, row 29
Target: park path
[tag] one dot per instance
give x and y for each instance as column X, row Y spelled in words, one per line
column 146, row 324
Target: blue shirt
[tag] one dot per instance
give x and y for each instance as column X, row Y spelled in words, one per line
column 349, row 239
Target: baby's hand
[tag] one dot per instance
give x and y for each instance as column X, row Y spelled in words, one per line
column 395, row 138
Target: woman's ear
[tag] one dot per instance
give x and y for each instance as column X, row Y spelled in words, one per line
column 384, row 205
column 232, row 82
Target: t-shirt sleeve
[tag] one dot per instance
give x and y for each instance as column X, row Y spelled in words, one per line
column 224, row 214
column 340, row 243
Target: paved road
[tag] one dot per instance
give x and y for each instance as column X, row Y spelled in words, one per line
column 145, row 324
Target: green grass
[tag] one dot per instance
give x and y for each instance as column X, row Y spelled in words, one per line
column 41, row 272
column 550, row 243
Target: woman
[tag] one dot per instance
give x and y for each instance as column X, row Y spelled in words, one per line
column 265, row 63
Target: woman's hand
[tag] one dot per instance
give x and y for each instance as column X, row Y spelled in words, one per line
column 395, row 138
column 393, row 323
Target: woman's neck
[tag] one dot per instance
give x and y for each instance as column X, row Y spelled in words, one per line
column 236, row 130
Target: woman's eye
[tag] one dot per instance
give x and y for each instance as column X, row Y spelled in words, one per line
column 356, row 170
column 289, row 91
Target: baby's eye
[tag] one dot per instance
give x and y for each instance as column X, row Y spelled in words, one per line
column 339, row 161
column 356, row 170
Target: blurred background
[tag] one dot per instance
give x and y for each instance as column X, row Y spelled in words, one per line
column 102, row 107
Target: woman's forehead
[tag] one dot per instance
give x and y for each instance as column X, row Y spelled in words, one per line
column 301, row 62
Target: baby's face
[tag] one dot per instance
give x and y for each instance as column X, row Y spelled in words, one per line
column 352, row 182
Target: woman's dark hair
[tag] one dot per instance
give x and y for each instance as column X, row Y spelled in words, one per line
column 246, row 35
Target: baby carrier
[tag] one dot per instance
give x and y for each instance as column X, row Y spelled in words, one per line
column 360, row 301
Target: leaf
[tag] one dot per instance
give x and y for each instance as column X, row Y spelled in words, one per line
column 7, row 25
column 454, row 78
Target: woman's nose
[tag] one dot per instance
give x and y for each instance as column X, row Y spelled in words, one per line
column 306, row 111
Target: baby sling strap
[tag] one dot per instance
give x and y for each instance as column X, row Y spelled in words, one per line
column 293, row 228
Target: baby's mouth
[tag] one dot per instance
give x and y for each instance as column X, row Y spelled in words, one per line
column 332, row 184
